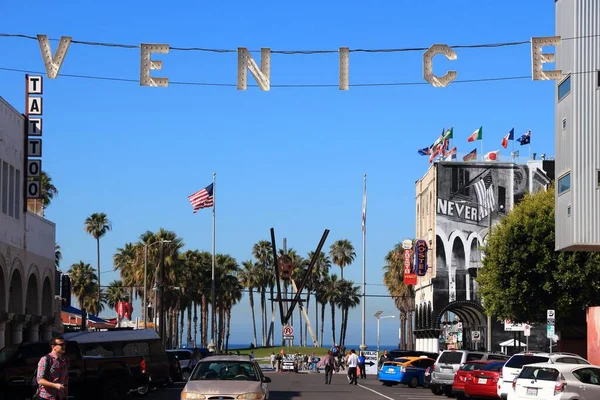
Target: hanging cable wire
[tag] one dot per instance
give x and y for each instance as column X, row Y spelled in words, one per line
column 291, row 52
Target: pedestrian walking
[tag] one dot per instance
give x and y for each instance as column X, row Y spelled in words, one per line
column 273, row 359
column 329, row 363
column 53, row 372
column 361, row 365
column 352, row 363
column 384, row 357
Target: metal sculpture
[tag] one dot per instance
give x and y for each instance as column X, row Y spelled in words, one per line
column 283, row 270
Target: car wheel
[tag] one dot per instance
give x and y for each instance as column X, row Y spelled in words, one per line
column 414, row 382
column 143, row 390
column 436, row 391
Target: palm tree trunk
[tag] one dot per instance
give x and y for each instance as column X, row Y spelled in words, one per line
column 342, row 312
column 300, row 324
column 307, row 313
column 332, row 322
column 99, row 285
column 251, row 298
column 228, row 329
column 182, row 324
column 270, row 339
column 263, row 311
column 322, row 323
column 195, row 324
column 345, row 326
column 410, row 331
column 204, row 318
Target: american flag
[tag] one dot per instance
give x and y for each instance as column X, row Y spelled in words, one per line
column 202, row 198
column 485, row 194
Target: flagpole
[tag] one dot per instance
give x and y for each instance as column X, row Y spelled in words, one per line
column 363, row 345
column 212, row 283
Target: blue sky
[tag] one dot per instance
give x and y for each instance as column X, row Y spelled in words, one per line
column 291, row 158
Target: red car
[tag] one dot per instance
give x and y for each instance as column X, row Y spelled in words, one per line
column 484, row 382
column 465, row 371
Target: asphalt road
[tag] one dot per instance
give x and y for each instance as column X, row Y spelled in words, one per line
column 291, row 386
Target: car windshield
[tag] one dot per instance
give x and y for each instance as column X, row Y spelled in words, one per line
column 494, row 366
column 539, row 373
column 224, row 371
column 517, row 361
column 471, row 366
column 7, row 352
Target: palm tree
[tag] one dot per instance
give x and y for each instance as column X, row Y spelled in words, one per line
column 349, row 298
column 403, row 295
column 83, row 282
column 342, row 254
column 332, row 287
column 97, row 225
column 57, row 255
column 47, row 188
column 318, row 274
column 115, row 294
column 249, row 281
column 263, row 253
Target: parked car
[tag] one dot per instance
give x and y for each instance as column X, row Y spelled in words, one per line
column 484, row 381
column 188, row 360
column 105, row 377
column 513, row 366
column 411, row 353
column 175, row 374
column 407, row 370
column 449, row 361
column 139, row 342
column 463, row 374
column 226, row 377
column 554, row 381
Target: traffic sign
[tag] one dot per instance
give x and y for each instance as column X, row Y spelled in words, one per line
column 288, row 330
column 550, row 331
column 551, row 314
column 527, row 330
column 475, row 336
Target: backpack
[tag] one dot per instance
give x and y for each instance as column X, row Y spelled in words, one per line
column 34, row 382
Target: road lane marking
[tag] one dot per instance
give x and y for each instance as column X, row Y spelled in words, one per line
column 376, row 392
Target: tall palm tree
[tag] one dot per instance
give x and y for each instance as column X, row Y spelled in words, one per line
column 249, row 281
column 342, row 254
column 57, row 255
column 97, row 225
column 403, row 295
column 332, row 287
column 83, row 282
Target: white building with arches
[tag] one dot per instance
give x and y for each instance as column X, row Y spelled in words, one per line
column 456, row 205
column 29, row 309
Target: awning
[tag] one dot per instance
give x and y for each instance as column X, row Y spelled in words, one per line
column 92, row 320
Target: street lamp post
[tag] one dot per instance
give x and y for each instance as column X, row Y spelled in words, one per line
column 379, row 317
column 145, row 307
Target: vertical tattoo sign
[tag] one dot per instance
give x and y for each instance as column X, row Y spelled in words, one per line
column 33, row 137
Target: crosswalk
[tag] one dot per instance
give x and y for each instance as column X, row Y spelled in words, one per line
column 400, row 392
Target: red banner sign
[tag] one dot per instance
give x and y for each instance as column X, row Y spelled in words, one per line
column 410, row 278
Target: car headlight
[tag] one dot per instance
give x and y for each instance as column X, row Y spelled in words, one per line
column 192, row 396
column 251, row 396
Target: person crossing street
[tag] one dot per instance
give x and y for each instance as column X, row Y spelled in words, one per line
column 352, row 363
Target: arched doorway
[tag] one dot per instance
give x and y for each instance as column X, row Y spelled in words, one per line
column 471, row 318
column 14, row 333
column 31, row 331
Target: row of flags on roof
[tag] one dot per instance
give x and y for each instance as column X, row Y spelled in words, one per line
column 441, row 146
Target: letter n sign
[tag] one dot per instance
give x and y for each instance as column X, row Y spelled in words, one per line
column 421, row 257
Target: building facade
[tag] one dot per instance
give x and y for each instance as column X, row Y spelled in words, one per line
column 577, row 125
column 29, row 307
column 456, row 205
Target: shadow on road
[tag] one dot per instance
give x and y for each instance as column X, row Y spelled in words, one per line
column 284, row 394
